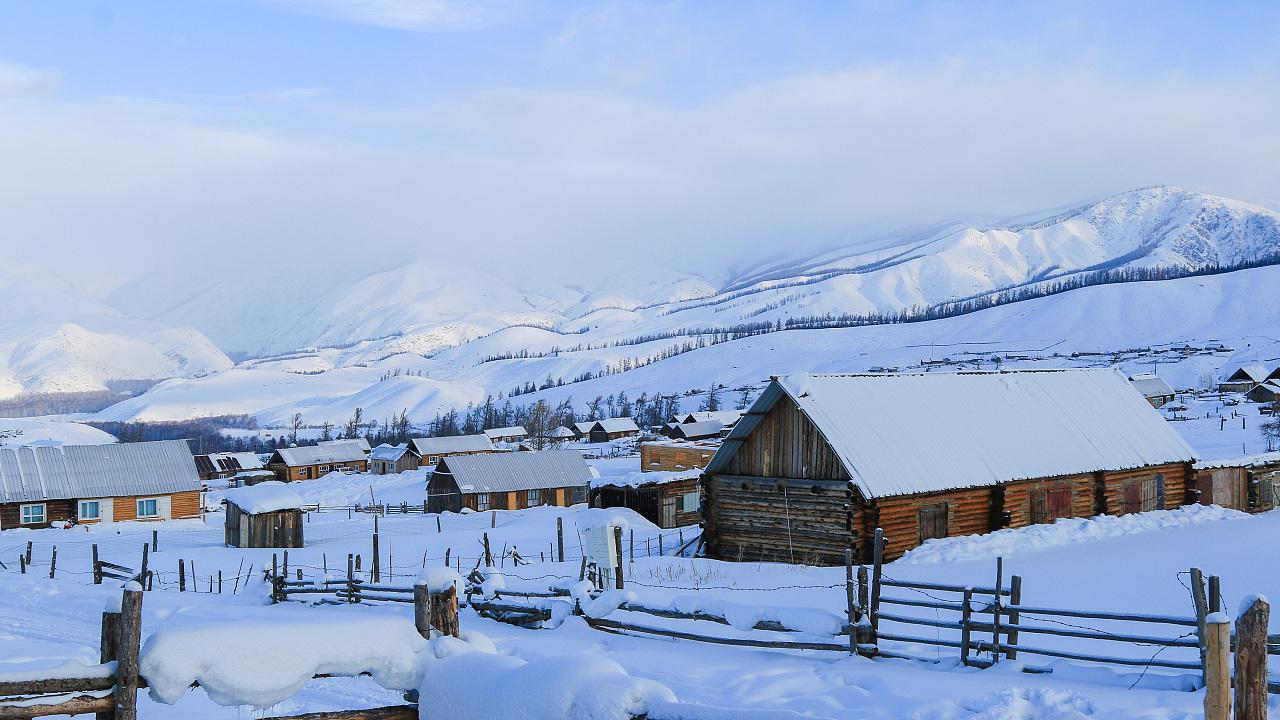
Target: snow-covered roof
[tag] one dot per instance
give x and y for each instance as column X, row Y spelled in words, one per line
column 506, row 432
column 724, row 417
column 616, row 425
column 584, row 427
column 90, row 471
column 451, row 444
column 362, row 442
column 1272, row 385
column 236, row 461
column 1151, row 385
column 265, row 497
column 639, row 478
column 1255, row 373
column 1247, row 461
column 696, row 430
column 330, row 452
column 388, row 452
column 908, row 434
column 561, row 432
column 504, row 472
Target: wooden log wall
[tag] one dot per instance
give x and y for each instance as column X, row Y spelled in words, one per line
column 1017, row 496
column 786, row 444
column 668, row 456
column 968, row 513
column 769, row 519
column 1110, row 498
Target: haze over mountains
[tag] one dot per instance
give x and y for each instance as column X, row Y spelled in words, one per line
column 426, row 336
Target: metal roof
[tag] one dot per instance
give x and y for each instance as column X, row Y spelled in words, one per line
column 503, row 432
column 504, row 472
column 697, row 430
column 1151, row 385
column 391, row 453
column 90, row 471
column 329, row 452
column 724, row 417
column 451, row 444
column 361, row 441
column 908, row 434
column 616, row 425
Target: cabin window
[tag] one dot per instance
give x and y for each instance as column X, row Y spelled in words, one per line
column 90, row 510
column 689, row 502
column 534, row 499
column 933, row 521
column 579, row 495
column 148, row 508
column 33, row 514
column 1266, row 493
column 324, row 468
column 482, row 501
column 304, row 473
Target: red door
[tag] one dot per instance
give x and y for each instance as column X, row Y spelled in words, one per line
column 1131, row 497
column 1058, row 504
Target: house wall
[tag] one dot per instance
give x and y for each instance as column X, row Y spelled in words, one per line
column 1109, row 499
column 175, row 506
column 778, row 520
column 1017, row 497
column 287, row 473
column 654, row 456
column 11, row 513
column 968, row 512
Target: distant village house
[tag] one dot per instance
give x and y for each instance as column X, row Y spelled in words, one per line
column 667, row 499
column 314, row 461
column 662, row 455
column 1154, row 389
column 1247, row 377
column 508, row 481
column 513, row 434
column 432, row 450
column 389, row 459
column 612, row 429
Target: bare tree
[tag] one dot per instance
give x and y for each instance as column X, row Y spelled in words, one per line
column 294, row 425
column 354, row 425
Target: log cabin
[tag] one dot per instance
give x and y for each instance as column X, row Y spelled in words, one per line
column 387, row 459
column 610, row 429
column 727, row 418
column 1154, row 389
column 670, row 455
column 582, row 430
column 430, row 451
column 700, row 430
column 1266, row 392
column 1250, row 483
column 667, row 499
column 819, row 462
column 266, row 515
column 97, row 483
column 1247, row 377
column 508, row 481
column 314, row 461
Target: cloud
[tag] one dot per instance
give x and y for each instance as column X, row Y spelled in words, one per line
column 413, row 15
column 19, row 79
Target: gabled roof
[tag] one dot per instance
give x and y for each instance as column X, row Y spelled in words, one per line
column 616, row 425
column 724, row 417
column 561, row 432
column 504, row 432
column 505, row 472
column 584, row 427
column 1247, row 461
column 330, row 452
column 1151, row 385
column 390, row 453
column 1271, row 385
column 1254, row 373
column 908, row 434
column 91, row 471
column 451, row 444
column 361, row 441
column 696, row 430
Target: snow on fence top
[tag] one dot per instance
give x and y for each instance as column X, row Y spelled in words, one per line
column 265, row 497
column 913, row 433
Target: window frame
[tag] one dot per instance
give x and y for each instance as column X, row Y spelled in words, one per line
column 82, row 515
column 138, row 505
column 533, row 497
column 483, row 502
column 22, row 513
column 684, row 501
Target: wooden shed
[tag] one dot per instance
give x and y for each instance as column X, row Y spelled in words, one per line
column 266, row 515
column 700, row 430
column 387, row 459
column 1250, row 483
column 508, row 481
column 667, row 499
column 613, row 429
column 1154, row 389
column 1247, row 377
column 819, row 462
column 1266, row 392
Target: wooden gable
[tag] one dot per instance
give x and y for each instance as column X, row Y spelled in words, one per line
column 786, row 444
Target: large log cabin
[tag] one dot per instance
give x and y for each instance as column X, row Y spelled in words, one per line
column 819, row 462
column 97, row 483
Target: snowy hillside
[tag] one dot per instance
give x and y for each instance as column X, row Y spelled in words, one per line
column 57, row 339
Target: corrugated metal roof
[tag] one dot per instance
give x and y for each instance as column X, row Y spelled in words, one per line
column 503, row 432
column 90, row 471
column 1151, row 385
column 617, row 425
column 451, row 444
column 362, row 442
column 504, row 472
column 701, row 429
column 908, row 434
column 330, row 452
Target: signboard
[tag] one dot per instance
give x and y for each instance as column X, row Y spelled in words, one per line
column 600, row 547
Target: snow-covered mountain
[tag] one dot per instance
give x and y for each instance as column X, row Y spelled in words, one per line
column 54, row 338
column 428, row 336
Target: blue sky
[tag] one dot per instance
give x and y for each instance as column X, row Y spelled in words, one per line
column 435, row 127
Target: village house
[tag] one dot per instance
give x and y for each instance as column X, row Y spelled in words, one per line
column 819, row 462
column 727, row 418
column 583, row 429
column 1154, row 389
column 215, row 466
column 1250, row 483
column 363, row 442
column 266, row 515
column 508, row 481
column 661, row 455
column 430, row 451
column 666, row 499
column 701, row 430
column 1266, row 392
column 561, row 434
column 1247, row 377
column 612, row 429
column 313, row 461
column 97, row 483
column 512, row 434
column 389, row 459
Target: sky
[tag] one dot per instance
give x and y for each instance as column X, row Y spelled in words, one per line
column 143, row 136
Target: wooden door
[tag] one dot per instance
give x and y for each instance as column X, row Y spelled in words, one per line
column 1131, row 497
column 1058, row 504
column 933, row 521
column 668, row 512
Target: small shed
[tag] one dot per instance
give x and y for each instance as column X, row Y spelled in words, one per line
column 1153, row 388
column 266, row 515
column 613, row 429
column 387, row 459
column 562, row 434
column 1250, row 483
column 667, row 499
column 508, row 481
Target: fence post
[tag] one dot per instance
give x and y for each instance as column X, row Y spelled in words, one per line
column 995, row 615
column 351, row 585
column 107, row 640
column 127, row 645
column 182, row 575
column 1217, row 669
column 439, row 529
column 375, row 571
column 1202, row 610
column 284, row 566
column 966, row 615
column 97, row 569
column 849, row 603
column 444, row 611
column 22, row 564
column 1215, row 594
column 560, row 539
column 877, row 561
column 53, row 562
column 28, row 555
column 1251, row 661
column 447, row 551
column 142, row 572
column 617, row 546
column 155, row 541
column 488, row 556
column 1015, row 599
column 421, row 610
